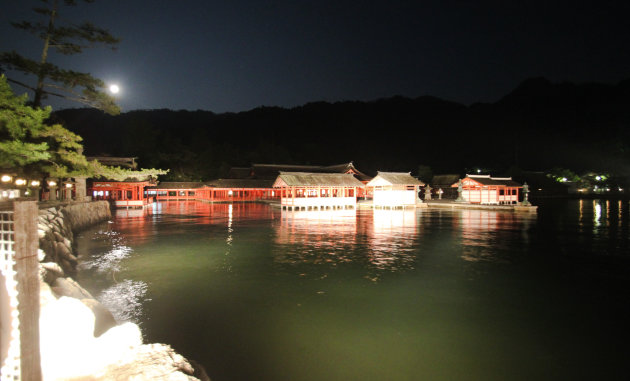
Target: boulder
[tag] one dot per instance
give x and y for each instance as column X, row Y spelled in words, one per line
column 50, row 271
column 104, row 320
column 68, row 287
column 47, row 247
column 157, row 362
column 41, row 230
column 67, row 267
column 58, row 236
column 65, row 252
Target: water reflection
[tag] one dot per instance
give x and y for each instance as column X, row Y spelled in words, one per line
column 125, row 300
column 123, row 297
column 597, row 207
column 227, row 265
column 314, row 237
column 599, row 213
column 109, row 261
column 391, row 220
column 130, row 213
column 455, row 289
column 484, row 233
column 391, row 241
column 199, row 212
column 600, row 220
column 372, row 241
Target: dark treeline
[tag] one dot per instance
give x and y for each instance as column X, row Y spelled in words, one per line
column 538, row 126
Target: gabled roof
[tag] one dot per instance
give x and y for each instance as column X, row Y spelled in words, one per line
column 120, row 184
column 487, row 180
column 310, row 179
column 394, row 178
column 178, row 185
column 347, row 168
column 240, row 183
column 271, row 171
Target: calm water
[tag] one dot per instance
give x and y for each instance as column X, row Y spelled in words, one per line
column 253, row 293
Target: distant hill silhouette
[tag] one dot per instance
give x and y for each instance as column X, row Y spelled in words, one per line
column 537, row 126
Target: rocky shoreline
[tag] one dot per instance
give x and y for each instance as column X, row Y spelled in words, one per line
column 80, row 338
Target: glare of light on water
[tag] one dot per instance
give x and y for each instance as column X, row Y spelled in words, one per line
column 229, row 238
column 597, row 216
column 125, row 300
column 109, row 261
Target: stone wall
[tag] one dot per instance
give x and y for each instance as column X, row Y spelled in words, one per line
column 56, row 226
column 82, row 215
column 80, row 339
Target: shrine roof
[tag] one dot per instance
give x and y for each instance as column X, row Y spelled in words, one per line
column 240, row 183
column 394, row 178
column 310, row 179
column 487, row 180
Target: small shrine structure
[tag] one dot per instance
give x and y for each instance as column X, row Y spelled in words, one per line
column 484, row 189
column 123, row 194
column 395, row 190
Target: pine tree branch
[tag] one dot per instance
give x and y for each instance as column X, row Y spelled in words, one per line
column 71, row 38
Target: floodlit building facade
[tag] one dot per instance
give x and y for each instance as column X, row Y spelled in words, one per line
column 123, row 194
column 395, row 189
column 317, row 191
column 255, row 183
column 484, row 189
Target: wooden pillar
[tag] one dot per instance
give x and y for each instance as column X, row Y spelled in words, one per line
column 27, row 276
column 63, row 192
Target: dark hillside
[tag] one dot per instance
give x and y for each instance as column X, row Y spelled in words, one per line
column 537, row 126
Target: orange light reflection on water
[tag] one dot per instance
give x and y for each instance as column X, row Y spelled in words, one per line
column 480, row 232
column 376, row 241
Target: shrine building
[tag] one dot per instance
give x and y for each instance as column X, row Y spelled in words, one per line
column 317, row 191
column 123, row 194
column 395, row 189
column 484, row 189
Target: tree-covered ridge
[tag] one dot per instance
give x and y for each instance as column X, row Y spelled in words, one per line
column 538, row 126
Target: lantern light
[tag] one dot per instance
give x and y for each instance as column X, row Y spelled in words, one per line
column 52, row 183
column 20, row 182
column 6, row 178
column 35, row 183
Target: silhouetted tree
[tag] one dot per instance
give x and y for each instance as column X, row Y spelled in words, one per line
column 425, row 174
column 30, row 145
column 66, row 39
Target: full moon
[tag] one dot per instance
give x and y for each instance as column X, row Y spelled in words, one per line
column 114, row 89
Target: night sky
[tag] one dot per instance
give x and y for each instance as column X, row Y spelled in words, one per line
column 237, row 55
